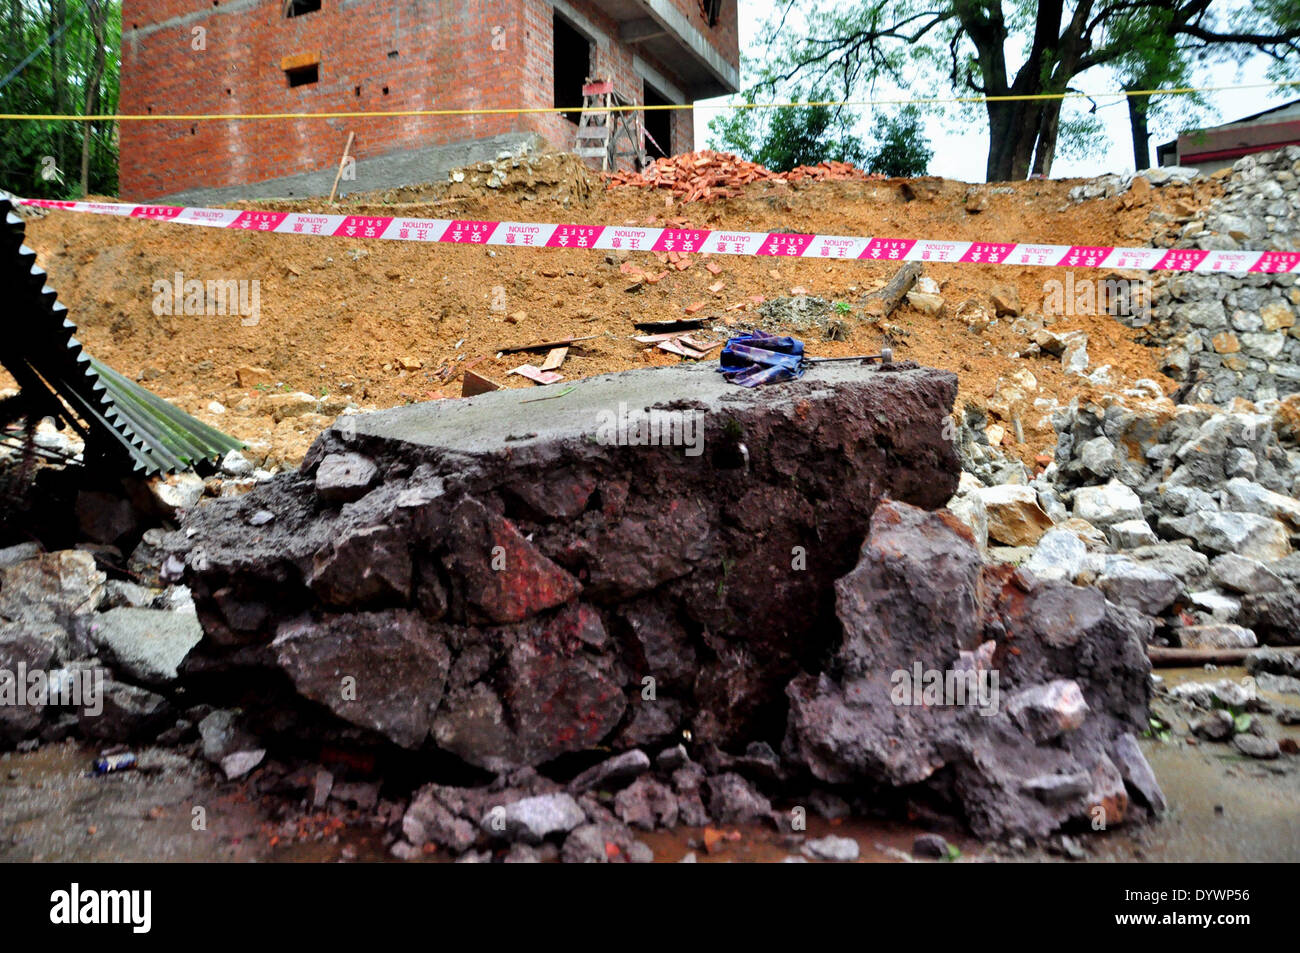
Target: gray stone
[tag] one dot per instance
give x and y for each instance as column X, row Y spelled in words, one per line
column 1060, row 554
column 1218, row 635
column 239, row 763
column 1137, row 773
column 1240, row 462
column 1191, row 568
column 1180, row 500
column 1130, row 534
column 343, row 477
column 1105, row 505
column 1278, row 684
column 1225, row 693
column 1255, row 746
column 51, row 587
column 970, row 509
column 613, row 772
column 832, row 848
column 1057, row 788
column 221, row 735
column 19, row 552
column 236, row 464
column 1220, row 607
column 1098, row 456
column 1143, row 588
column 1217, row 725
column 533, row 819
column 1047, row 711
column 1246, row 534
column 119, row 593
column 1275, row 661
column 733, row 800
column 931, row 846
column 177, row 492
column 1240, row 574
column 1243, row 496
column 147, row 644
column 647, row 804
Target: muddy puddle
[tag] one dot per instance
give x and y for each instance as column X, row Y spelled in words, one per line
column 1223, row 807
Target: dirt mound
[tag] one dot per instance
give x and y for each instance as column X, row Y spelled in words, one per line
column 707, row 175
column 555, row 177
column 378, row 324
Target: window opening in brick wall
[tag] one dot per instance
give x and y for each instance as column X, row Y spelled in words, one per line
column 303, row 75
column 296, row 8
column 712, row 11
column 572, row 65
column 658, row 124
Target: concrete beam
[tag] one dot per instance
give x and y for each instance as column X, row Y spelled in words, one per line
column 668, row 16
column 638, row 31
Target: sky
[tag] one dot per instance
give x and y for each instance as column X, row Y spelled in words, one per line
column 960, row 153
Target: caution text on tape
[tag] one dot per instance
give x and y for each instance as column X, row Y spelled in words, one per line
column 686, row 240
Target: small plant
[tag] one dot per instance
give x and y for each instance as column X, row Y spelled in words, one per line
column 843, row 308
column 1157, row 729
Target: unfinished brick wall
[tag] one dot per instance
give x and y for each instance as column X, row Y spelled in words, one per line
column 193, row 56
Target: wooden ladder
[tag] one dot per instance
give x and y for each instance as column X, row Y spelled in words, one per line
column 608, row 136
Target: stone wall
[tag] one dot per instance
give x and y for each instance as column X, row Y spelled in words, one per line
column 1236, row 335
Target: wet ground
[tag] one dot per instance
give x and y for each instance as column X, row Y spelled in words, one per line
column 1223, row 807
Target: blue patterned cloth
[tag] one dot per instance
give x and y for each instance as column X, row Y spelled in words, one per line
column 756, row 358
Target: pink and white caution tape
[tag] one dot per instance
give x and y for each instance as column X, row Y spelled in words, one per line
column 622, row 237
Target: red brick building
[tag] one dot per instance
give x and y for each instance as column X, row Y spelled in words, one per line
column 281, row 56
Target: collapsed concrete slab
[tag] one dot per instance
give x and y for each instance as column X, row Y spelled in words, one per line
column 528, row 573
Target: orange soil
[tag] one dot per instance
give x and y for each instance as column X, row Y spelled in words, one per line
column 339, row 316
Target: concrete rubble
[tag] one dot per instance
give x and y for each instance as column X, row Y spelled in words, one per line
column 492, row 593
column 561, row 635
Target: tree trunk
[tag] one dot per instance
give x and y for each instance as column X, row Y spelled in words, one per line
column 58, row 74
column 1048, row 129
column 98, row 15
column 1013, row 130
column 1137, row 123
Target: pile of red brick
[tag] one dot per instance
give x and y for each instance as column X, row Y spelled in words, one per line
column 708, row 175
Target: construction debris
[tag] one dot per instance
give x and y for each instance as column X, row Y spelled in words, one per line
column 707, row 175
column 555, row 359
column 880, row 304
column 537, row 375
column 545, row 345
column 472, row 383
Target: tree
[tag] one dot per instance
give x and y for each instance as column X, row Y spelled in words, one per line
column 963, row 45
column 59, row 58
column 902, row 149
column 789, row 136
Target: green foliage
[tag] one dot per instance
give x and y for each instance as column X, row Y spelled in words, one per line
column 789, row 136
column 57, row 39
column 902, row 150
column 1013, row 48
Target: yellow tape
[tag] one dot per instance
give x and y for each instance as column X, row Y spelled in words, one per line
column 935, row 100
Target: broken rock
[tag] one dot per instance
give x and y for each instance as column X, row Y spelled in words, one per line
column 1014, row 516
